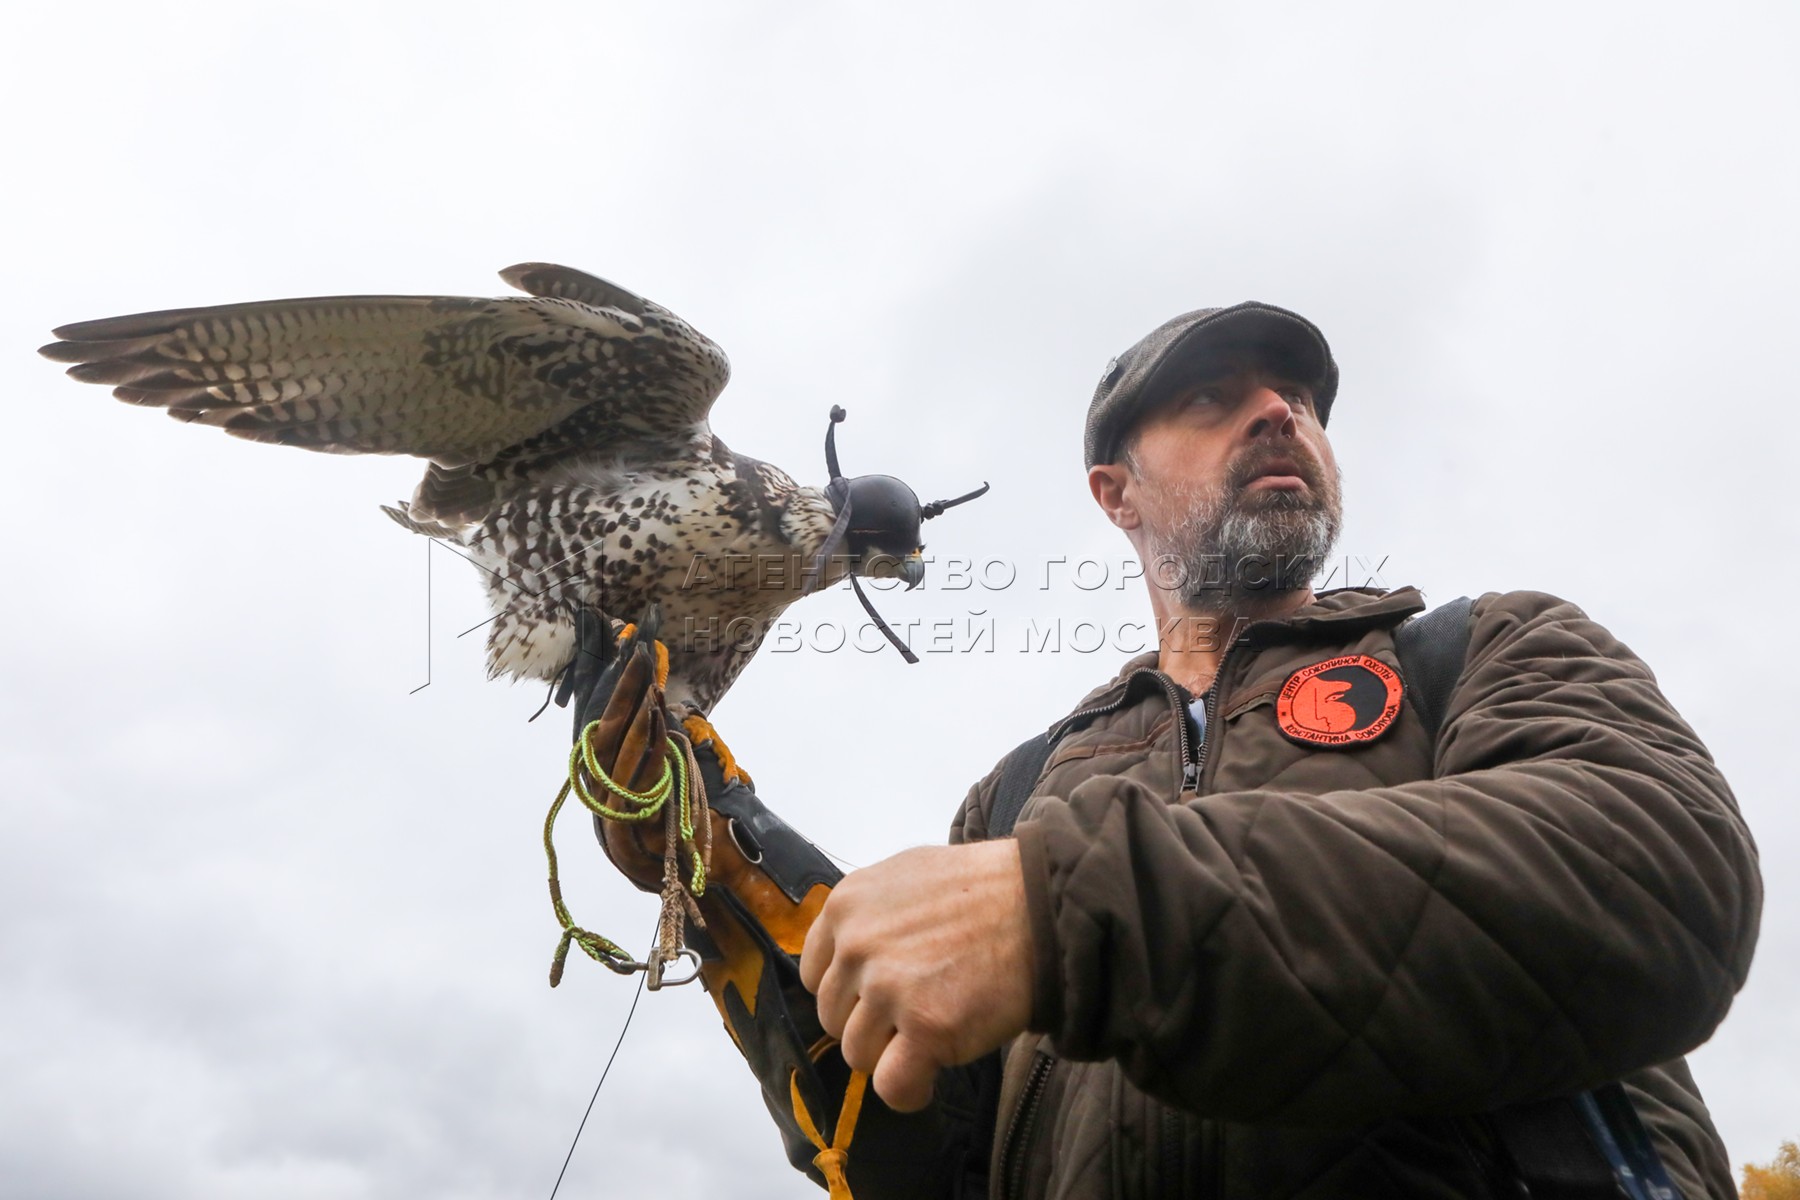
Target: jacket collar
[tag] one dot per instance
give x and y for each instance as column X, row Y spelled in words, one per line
column 1334, row 613
column 1339, row 611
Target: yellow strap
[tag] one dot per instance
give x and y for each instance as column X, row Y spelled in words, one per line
column 831, row 1159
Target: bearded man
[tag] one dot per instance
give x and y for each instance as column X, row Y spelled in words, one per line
column 1284, row 913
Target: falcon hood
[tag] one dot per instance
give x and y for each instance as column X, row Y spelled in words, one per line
column 878, row 519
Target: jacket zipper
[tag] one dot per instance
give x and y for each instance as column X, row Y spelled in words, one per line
column 1018, row 1135
column 1209, row 704
column 1172, row 1182
column 1193, row 763
column 1190, row 762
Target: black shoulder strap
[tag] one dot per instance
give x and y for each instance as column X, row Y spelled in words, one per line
column 1553, row 1152
column 1018, row 774
column 1591, row 1146
column 1432, row 648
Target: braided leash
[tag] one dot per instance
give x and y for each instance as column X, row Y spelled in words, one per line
column 593, row 786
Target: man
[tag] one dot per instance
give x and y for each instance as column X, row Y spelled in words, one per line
column 1260, row 930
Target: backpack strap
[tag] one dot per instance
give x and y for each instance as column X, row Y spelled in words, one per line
column 1018, row 775
column 1614, row 1123
column 1553, row 1152
column 1590, row 1146
column 1431, row 649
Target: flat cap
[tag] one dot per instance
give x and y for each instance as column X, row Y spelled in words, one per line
column 1179, row 351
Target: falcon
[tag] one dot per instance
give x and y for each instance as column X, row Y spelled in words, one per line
column 569, row 455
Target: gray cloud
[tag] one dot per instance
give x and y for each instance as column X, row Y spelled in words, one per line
column 269, row 927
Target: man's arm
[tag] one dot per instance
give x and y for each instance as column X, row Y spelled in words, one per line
column 751, row 968
column 1573, row 898
column 767, row 886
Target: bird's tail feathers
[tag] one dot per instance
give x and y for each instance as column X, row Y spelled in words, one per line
column 402, row 515
column 463, row 494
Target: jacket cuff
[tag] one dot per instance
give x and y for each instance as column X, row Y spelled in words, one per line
column 1046, row 960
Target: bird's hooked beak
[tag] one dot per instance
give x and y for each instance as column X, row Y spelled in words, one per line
column 912, row 569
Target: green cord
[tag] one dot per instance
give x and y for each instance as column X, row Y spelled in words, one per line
column 645, row 806
column 648, row 803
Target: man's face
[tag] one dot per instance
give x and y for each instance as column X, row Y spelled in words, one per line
column 1235, row 488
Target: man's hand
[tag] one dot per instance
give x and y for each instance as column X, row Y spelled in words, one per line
column 921, row 962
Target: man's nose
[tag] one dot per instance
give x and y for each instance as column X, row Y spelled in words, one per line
column 1270, row 414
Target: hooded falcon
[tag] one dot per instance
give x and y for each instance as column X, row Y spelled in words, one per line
column 568, row 453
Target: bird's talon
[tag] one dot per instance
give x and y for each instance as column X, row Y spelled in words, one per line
column 700, row 731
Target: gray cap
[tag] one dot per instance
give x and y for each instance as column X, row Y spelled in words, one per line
column 1178, row 351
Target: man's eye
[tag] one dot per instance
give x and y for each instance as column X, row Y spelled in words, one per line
column 1297, row 396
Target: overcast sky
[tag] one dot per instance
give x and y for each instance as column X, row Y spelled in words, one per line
column 273, row 927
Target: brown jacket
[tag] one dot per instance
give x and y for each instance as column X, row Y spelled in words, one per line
column 1306, row 977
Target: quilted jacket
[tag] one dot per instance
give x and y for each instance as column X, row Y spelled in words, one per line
column 1307, row 970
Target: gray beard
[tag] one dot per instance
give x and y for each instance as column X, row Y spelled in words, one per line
column 1232, row 550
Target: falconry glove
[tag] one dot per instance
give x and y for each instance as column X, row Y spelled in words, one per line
column 766, row 886
column 622, row 727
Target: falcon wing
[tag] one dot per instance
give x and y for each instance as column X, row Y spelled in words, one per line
column 579, row 364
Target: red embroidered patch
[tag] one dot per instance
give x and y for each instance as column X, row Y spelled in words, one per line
column 1343, row 701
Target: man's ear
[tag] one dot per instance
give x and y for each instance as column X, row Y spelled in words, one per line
column 1112, row 486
